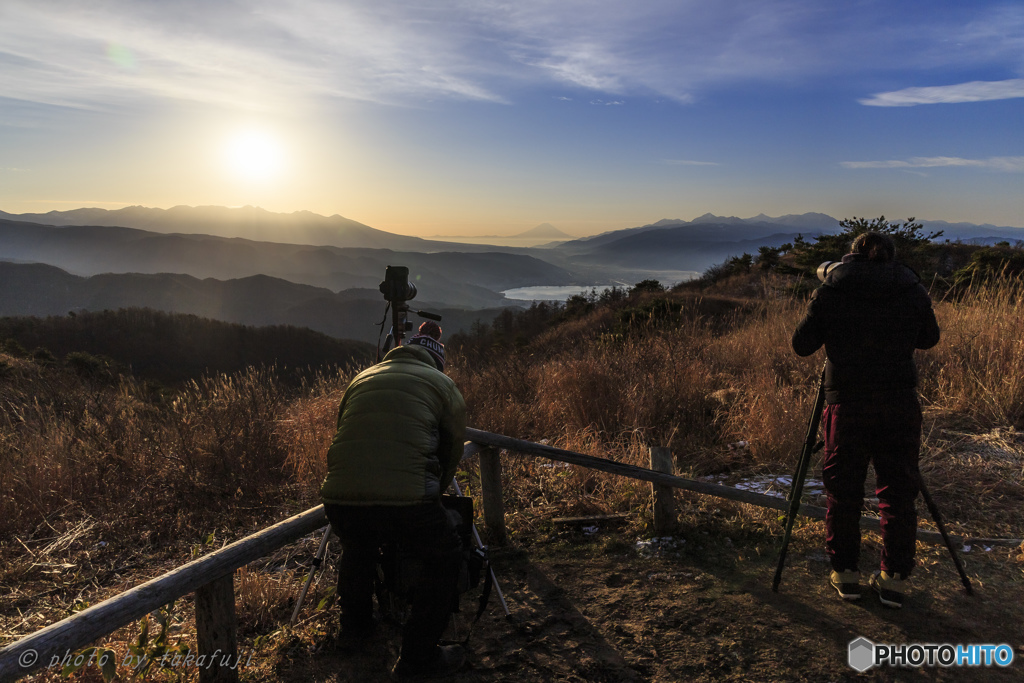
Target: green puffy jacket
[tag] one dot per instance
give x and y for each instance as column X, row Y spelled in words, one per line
column 401, row 428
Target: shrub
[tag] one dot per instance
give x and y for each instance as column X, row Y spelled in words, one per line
column 43, row 356
column 86, row 364
column 13, row 348
column 647, row 286
column 988, row 264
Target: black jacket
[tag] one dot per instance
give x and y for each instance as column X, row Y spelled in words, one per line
column 870, row 316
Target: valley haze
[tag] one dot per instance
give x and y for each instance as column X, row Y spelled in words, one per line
column 251, row 266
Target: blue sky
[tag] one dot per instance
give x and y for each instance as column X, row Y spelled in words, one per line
column 488, row 117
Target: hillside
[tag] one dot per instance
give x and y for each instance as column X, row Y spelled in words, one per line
column 159, row 479
column 455, row 279
column 39, row 290
column 174, row 347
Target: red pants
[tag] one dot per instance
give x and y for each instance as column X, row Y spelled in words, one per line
column 887, row 433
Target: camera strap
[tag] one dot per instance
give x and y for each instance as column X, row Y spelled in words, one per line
column 485, row 592
column 485, row 595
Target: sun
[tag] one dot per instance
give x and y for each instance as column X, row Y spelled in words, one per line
column 253, row 154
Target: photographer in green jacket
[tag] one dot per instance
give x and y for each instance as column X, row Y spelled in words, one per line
column 401, row 429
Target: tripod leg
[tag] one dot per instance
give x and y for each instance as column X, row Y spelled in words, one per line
column 797, row 485
column 479, row 544
column 934, row 510
column 317, row 560
column 794, row 506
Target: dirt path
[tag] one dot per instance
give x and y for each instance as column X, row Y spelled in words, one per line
column 597, row 608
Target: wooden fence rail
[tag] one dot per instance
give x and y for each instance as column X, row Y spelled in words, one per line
column 643, row 474
column 211, row 577
column 37, row 650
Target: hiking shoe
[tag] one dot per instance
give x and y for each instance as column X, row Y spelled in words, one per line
column 889, row 588
column 448, row 660
column 847, row 583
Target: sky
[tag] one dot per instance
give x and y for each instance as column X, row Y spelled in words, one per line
column 462, row 117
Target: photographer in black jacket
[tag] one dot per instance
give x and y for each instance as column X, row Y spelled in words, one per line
column 870, row 313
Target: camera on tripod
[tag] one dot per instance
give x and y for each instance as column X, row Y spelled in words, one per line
column 397, row 291
column 396, row 287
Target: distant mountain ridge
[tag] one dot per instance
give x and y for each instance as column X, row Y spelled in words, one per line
column 41, row 290
column 247, row 222
column 710, row 239
column 308, row 228
column 705, row 237
column 807, row 224
column 447, row 275
column 470, row 279
column 545, row 231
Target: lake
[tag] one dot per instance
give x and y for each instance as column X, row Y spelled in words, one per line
column 563, row 292
column 552, row 292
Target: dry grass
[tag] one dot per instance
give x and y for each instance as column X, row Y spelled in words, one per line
column 713, row 376
column 67, row 444
column 307, row 426
column 975, row 371
column 105, row 484
column 105, row 477
column 264, row 601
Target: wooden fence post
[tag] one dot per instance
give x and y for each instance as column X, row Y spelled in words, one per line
column 665, row 522
column 216, row 631
column 490, row 489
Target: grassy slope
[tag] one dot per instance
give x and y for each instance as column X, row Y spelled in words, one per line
column 106, row 478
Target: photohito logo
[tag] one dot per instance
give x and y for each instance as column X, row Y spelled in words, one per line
column 863, row 654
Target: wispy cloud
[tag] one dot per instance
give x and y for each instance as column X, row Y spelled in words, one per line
column 1005, row 164
column 665, row 48
column 276, row 53
column 689, row 162
column 247, row 55
column 974, row 91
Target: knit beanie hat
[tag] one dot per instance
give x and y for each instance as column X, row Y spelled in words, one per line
column 429, row 337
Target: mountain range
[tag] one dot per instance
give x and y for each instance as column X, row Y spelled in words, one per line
column 710, row 239
column 459, row 279
column 544, row 231
column 34, row 289
column 256, row 267
column 249, row 222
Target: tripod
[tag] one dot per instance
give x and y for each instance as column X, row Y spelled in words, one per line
column 321, row 552
column 796, row 488
column 812, row 446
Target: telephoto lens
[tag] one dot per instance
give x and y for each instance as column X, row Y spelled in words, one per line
column 825, row 268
